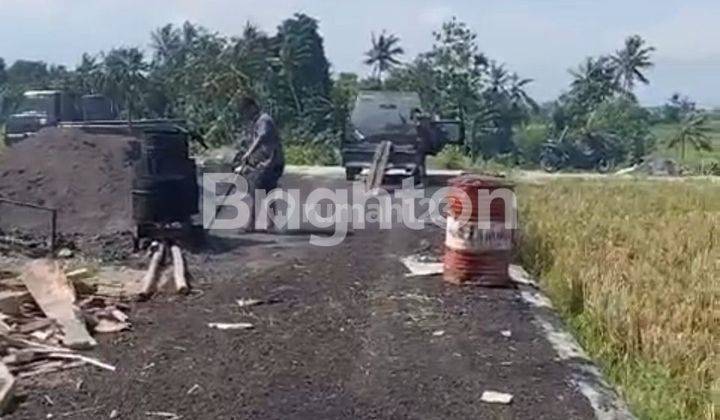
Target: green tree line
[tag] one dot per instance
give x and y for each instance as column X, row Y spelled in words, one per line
column 193, row 73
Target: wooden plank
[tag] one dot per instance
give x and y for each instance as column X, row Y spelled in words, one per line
column 379, row 165
column 54, row 294
column 181, row 284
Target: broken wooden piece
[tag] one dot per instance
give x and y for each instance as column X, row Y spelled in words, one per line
column 80, row 357
column 107, row 326
column 181, row 284
column 7, row 388
column 32, row 326
column 151, row 276
column 11, row 301
column 53, row 293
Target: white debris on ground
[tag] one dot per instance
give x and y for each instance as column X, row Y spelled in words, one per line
column 420, row 265
column 494, row 397
column 231, row 326
column 243, row 303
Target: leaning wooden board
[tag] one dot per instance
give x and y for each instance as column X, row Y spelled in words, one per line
column 379, row 164
column 52, row 291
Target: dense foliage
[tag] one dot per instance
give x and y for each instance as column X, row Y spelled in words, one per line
column 193, row 73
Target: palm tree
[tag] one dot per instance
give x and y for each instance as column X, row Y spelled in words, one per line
column 123, row 76
column 630, row 63
column 694, row 131
column 593, row 82
column 383, row 54
column 165, row 42
column 519, row 98
column 498, row 78
column 87, row 74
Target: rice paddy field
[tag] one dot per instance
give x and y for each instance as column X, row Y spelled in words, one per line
column 634, row 266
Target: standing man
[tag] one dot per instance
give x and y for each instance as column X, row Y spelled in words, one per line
column 264, row 162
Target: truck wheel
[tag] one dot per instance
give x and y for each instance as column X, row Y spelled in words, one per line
column 351, row 173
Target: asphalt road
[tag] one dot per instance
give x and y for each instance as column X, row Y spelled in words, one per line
column 345, row 335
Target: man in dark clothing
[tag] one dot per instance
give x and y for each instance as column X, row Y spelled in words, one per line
column 264, row 161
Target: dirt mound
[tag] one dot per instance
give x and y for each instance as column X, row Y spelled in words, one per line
column 87, row 177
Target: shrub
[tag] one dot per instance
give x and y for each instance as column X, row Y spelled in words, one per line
column 529, row 140
column 452, row 157
column 310, row 155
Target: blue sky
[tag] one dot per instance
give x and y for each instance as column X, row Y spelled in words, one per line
column 540, row 39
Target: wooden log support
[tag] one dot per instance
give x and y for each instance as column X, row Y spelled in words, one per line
column 181, row 284
column 151, row 276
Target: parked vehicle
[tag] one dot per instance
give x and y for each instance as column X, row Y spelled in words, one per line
column 47, row 108
column 396, row 117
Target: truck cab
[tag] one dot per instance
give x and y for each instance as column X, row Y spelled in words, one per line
column 40, row 108
column 397, row 117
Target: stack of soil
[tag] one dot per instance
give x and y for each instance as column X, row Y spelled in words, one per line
column 86, row 176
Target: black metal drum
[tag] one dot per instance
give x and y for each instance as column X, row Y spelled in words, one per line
column 165, row 189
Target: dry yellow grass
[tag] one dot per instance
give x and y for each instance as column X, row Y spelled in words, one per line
column 635, row 267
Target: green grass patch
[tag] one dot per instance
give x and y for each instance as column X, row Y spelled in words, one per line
column 311, row 155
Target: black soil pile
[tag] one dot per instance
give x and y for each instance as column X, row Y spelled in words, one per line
column 86, row 176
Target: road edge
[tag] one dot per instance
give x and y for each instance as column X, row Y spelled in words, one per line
column 587, row 377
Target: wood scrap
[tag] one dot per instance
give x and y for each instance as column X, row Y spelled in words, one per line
column 34, row 325
column 105, row 326
column 52, row 291
column 151, row 276
column 42, row 335
column 7, row 388
column 86, row 359
column 80, row 273
column 119, row 315
column 181, row 284
column 12, row 300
